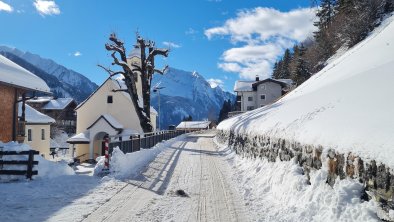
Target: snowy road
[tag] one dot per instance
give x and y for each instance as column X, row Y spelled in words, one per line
column 192, row 165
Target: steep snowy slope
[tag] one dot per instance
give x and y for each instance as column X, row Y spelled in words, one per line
column 346, row 106
column 187, row 93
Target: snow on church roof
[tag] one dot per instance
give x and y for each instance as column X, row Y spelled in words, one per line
column 13, row 74
column 80, row 138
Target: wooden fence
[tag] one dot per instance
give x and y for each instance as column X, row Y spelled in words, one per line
column 145, row 141
column 30, row 162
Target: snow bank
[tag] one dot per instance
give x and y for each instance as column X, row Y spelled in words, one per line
column 130, row 164
column 46, row 169
column 278, row 191
column 49, row 169
column 346, row 106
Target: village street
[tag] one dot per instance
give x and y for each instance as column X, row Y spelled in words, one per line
column 192, row 165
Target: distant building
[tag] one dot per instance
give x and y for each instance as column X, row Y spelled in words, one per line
column 61, row 109
column 37, row 131
column 16, row 85
column 258, row 93
column 193, row 125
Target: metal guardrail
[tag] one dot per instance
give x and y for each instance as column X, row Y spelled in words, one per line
column 145, row 141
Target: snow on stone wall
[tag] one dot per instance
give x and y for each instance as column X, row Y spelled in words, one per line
column 377, row 178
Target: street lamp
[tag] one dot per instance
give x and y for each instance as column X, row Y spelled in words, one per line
column 157, row 89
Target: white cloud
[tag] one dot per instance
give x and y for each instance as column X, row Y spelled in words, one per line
column 230, row 67
column 5, row 7
column 77, row 53
column 215, row 83
column 260, row 36
column 171, row 45
column 46, row 7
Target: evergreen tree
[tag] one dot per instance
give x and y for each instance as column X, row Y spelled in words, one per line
column 226, row 108
column 275, row 70
column 187, row 118
column 301, row 73
column 284, row 66
column 325, row 14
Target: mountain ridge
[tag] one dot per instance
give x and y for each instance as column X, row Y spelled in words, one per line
column 187, row 93
column 68, row 83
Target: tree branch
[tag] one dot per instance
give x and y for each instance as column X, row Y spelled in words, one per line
column 111, row 72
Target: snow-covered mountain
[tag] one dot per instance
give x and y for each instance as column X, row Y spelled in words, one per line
column 187, row 93
column 63, row 82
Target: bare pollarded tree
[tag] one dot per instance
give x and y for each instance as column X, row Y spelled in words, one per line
column 131, row 71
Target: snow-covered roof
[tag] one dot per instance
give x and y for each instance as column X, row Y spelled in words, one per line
column 243, row 86
column 33, row 116
column 110, row 120
column 40, row 99
column 345, row 106
column 193, row 125
column 81, row 138
column 287, row 81
column 113, row 121
column 58, row 104
column 13, row 74
column 247, row 86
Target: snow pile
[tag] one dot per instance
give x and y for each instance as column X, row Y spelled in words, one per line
column 130, row 164
column 49, row 169
column 346, row 106
column 278, row 191
column 46, row 169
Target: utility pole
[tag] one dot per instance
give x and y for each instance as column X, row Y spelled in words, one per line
column 157, row 89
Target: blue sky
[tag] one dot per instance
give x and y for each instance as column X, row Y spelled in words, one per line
column 224, row 40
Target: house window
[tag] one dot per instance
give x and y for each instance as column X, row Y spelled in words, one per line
column 262, row 97
column 250, row 98
column 42, row 134
column 29, row 136
column 250, row 108
column 262, row 87
column 109, row 99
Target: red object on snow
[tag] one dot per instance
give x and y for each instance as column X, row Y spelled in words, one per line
column 106, row 162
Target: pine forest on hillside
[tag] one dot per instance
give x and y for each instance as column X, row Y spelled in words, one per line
column 340, row 24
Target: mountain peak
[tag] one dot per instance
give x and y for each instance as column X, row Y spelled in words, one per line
column 61, row 80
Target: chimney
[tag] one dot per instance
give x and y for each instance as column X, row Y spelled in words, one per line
column 257, row 78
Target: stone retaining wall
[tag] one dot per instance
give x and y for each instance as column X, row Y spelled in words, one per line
column 378, row 179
